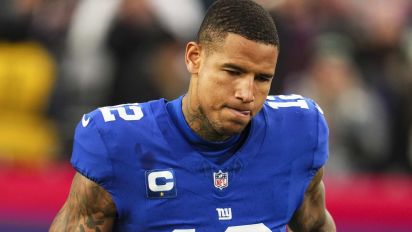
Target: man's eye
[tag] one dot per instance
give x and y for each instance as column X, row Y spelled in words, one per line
column 262, row 78
column 233, row 72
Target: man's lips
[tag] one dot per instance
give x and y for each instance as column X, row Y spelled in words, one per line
column 242, row 112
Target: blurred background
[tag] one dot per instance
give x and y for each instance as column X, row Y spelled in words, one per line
column 62, row 58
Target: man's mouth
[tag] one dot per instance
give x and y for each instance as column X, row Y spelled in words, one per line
column 241, row 112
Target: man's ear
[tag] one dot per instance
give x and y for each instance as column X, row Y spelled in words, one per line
column 192, row 57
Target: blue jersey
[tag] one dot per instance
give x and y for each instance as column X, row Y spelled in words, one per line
column 160, row 183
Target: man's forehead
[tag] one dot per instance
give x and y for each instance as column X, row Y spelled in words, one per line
column 229, row 39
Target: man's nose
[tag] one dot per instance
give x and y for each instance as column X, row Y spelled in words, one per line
column 244, row 90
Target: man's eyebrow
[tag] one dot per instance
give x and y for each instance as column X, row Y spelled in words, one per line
column 265, row 75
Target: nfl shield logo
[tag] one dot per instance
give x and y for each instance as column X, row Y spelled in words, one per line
column 221, row 179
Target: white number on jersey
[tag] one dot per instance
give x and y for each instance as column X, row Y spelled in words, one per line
column 136, row 113
column 293, row 100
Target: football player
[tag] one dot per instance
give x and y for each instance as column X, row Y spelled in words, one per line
column 223, row 157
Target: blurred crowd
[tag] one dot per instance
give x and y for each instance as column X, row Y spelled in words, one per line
column 62, row 58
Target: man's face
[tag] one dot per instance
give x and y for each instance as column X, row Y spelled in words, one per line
column 233, row 81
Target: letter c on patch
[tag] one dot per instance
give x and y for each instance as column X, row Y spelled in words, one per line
column 166, row 176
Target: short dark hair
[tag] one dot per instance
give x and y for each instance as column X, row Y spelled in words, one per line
column 242, row 17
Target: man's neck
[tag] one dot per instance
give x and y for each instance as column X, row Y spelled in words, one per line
column 197, row 121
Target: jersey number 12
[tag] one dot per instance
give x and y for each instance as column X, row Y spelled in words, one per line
column 135, row 112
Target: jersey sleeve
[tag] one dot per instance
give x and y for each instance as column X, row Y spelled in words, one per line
column 90, row 156
column 321, row 153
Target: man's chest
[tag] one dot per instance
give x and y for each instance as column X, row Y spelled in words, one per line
column 190, row 194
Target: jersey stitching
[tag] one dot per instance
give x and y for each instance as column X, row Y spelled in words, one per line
column 112, row 176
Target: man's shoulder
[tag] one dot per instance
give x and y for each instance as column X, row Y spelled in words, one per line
column 123, row 113
column 298, row 124
column 136, row 117
column 291, row 104
column 293, row 111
